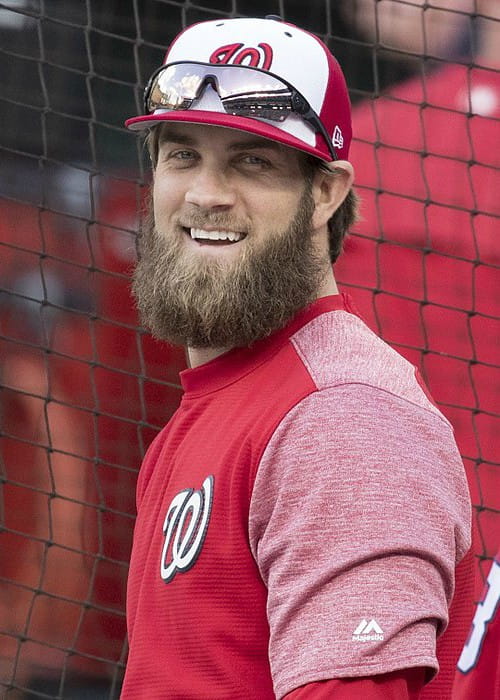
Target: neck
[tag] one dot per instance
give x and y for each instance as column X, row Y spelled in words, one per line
column 199, row 356
column 489, row 33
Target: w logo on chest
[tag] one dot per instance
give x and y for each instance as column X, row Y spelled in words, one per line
column 185, row 528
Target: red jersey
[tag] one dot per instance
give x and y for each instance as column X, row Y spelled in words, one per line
column 300, row 518
column 478, row 670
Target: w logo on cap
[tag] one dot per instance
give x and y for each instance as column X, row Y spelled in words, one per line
column 241, row 55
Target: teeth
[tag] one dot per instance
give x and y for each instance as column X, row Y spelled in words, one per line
column 232, row 236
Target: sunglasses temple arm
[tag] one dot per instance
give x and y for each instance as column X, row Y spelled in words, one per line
column 328, row 140
column 312, row 118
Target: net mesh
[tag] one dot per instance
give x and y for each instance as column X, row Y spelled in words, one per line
column 84, row 388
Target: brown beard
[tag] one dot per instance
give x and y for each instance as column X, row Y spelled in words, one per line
column 207, row 303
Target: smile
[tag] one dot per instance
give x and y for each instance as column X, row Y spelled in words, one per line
column 199, row 234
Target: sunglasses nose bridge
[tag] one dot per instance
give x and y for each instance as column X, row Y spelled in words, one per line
column 204, row 82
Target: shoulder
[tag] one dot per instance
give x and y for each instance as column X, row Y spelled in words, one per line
column 340, row 350
column 149, row 462
column 368, row 429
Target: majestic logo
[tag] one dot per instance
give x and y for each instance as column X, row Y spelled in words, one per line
column 185, row 528
column 241, row 55
column 368, row 632
column 485, row 612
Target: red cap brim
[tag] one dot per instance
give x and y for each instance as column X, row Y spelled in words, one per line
column 254, row 126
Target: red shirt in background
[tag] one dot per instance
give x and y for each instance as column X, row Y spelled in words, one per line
column 478, row 671
column 423, row 267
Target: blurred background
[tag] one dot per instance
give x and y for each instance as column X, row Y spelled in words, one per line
column 84, row 389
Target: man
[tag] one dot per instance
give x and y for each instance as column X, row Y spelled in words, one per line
column 301, row 516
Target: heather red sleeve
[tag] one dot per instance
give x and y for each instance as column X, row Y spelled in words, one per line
column 359, row 515
column 402, row 685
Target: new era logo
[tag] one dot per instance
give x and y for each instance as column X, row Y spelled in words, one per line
column 337, row 138
column 368, row 632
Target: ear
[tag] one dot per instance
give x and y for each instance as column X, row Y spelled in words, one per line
column 330, row 187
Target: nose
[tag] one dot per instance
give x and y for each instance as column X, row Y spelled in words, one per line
column 210, row 188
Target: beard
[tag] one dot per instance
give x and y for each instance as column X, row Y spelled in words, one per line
column 203, row 302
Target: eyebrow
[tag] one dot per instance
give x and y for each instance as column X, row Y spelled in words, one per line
column 256, row 143
column 170, row 133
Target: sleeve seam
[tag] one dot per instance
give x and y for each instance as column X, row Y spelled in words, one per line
column 344, row 383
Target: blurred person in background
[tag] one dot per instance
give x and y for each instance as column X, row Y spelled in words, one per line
column 410, row 28
column 59, row 635
column 45, row 574
column 382, row 43
column 425, row 258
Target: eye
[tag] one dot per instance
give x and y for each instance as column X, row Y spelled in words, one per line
column 177, row 157
column 183, row 154
column 255, row 161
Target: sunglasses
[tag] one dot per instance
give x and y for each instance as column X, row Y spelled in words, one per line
column 244, row 92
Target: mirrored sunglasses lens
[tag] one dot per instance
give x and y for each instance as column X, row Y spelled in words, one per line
column 234, row 81
column 175, row 87
column 271, row 107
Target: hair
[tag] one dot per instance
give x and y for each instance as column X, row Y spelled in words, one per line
column 339, row 223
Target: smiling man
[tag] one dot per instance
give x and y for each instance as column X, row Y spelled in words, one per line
column 301, row 517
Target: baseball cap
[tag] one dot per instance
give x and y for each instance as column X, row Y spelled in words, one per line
column 264, row 76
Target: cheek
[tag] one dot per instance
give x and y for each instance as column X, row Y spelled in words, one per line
column 166, row 200
column 276, row 209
